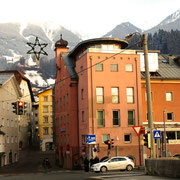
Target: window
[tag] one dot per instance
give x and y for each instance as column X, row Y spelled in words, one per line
column 127, row 138
column 45, row 109
column 60, row 102
column 115, row 95
column 2, row 121
column 178, row 134
column 130, row 95
column 170, row 116
column 45, row 98
column 45, row 119
column 67, row 98
column 81, row 70
column 67, row 118
column 51, row 131
column 131, row 121
column 114, row 67
column 105, row 137
column 82, row 94
column 7, row 139
column 82, row 116
column 116, row 119
column 100, row 118
column 99, row 95
column 12, row 139
column 169, row 96
column 171, row 135
column 129, row 68
column 99, row 67
column 45, row 131
column 64, row 119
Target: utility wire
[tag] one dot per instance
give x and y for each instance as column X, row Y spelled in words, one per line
column 97, row 63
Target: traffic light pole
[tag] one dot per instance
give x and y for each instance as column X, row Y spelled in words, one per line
column 148, row 91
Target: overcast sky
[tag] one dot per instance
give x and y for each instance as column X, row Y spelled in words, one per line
column 91, row 17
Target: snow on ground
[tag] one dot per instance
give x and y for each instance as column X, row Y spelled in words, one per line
column 31, row 62
column 50, row 81
column 35, row 78
column 14, row 58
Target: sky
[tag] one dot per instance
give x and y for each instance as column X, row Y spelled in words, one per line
column 92, row 18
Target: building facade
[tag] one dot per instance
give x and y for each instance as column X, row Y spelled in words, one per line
column 10, row 93
column 165, row 92
column 24, row 120
column 45, row 120
column 97, row 92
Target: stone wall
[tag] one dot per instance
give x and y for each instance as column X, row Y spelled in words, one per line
column 168, row 167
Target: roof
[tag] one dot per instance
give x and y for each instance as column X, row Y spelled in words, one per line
column 44, row 91
column 70, row 65
column 4, row 77
column 168, row 68
column 19, row 76
column 91, row 42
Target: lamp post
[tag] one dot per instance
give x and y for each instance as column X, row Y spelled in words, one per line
column 148, row 88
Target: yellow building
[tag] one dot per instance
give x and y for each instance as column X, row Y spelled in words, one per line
column 46, row 120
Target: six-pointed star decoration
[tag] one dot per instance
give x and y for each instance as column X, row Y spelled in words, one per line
column 37, row 48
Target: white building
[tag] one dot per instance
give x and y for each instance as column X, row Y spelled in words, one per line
column 9, row 93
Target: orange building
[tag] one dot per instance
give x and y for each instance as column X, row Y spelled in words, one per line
column 165, row 91
column 97, row 92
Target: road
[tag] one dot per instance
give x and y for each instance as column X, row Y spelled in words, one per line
column 78, row 175
column 30, row 167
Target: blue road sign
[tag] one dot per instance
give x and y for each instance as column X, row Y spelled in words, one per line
column 91, row 139
column 157, row 134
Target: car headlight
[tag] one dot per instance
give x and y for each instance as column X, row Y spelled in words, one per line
column 96, row 165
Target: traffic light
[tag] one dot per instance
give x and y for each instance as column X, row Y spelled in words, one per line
column 145, row 138
column 108, row 142
column 20, row 109
column 112, row 142
column 14, row 104
column 25, row 107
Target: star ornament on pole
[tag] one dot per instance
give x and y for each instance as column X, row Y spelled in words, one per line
column 37, row 48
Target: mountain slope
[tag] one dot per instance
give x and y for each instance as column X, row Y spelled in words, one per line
column 120, row 31
column 172, row 22
column 14, row 36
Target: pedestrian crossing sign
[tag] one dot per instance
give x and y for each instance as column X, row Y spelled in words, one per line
column 157, row 134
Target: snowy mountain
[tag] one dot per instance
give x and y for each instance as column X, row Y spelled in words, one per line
column 14, row 36
column 172, row 22
column 122, row 30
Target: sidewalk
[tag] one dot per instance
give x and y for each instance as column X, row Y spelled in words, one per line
column 30, row 162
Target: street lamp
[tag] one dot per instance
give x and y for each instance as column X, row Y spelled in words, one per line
column 143, row 43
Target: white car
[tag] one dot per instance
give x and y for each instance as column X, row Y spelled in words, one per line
column 114, row 163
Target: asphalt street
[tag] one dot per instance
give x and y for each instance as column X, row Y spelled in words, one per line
column 29, row 167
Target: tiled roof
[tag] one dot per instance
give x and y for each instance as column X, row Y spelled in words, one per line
column 4, row 77
column 168, row 68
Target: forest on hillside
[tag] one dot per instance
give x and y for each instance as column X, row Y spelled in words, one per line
column 166, row 42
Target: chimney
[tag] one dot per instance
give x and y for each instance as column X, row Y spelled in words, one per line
column 170, row 59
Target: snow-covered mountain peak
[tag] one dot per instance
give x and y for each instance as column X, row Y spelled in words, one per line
column 50, row 29
column 172, row 18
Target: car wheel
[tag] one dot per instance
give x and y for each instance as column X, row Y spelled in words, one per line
column 103, row 169
column 129, row 168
